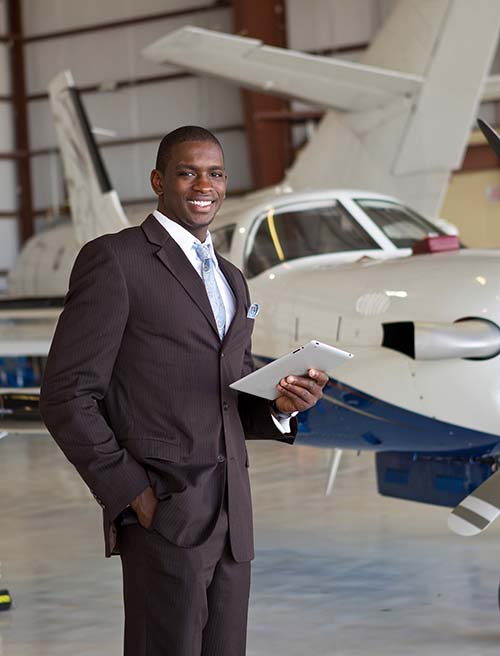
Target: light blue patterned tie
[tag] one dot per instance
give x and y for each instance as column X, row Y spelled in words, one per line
column 214, row 295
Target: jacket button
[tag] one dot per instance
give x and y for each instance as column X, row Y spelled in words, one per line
column 222, row 354
column 221, row 458
column 225, row 405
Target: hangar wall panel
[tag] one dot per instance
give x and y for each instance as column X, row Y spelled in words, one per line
column 325, row 24
column 9, row 242
column 8, row 201
column 42, row 16
column 4, row 68
column 108, row 55
column 48, row 188
column 6, row 127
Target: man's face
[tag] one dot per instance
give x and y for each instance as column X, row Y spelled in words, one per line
column 193, row 185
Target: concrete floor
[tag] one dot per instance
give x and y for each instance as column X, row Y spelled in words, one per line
column 349, row 575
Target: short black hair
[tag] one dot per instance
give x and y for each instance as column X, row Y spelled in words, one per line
column 180, row 135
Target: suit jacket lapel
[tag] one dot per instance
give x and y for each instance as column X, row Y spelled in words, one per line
column 235, row 284
column 179, row 266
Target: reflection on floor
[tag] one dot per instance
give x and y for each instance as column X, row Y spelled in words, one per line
column 349, row 575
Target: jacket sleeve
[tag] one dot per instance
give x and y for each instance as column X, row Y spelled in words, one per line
column 255, row 412
column 77, row 375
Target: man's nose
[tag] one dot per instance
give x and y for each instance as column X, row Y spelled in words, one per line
column 203, row 183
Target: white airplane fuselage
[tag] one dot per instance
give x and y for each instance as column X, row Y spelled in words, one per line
column 345, row 298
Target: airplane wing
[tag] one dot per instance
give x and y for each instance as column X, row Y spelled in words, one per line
column 332, row 83
column 27, row 332
column 26, row 329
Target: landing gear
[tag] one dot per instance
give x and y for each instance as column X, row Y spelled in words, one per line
column 333, row 469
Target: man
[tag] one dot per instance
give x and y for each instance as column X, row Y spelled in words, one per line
column 135, row 392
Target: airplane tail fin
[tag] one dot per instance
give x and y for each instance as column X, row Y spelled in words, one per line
column 398, row 122
column 95, row 206
column 409, row 147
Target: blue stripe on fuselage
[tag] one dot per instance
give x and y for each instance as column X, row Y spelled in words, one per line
column 350, row 419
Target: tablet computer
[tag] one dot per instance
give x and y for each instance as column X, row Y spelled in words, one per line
column 314, row 355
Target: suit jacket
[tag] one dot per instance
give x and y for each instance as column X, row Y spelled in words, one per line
column 135, row 389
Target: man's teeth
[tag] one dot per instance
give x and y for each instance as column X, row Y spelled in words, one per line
column 200, row 203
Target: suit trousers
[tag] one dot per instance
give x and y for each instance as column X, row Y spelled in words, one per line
column 183, row 601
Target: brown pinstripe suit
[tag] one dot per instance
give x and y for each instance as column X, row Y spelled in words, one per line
column 136, row 392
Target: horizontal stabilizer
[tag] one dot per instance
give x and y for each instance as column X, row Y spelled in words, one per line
column 325, row 81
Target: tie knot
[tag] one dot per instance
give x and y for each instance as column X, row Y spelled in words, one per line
column 202, row 252
column 204, row 255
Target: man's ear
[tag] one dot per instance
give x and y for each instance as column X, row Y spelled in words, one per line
column 156, row 179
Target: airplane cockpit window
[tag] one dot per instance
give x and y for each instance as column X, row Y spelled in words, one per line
column 288, row 234
column 401, row 225
column 222, row 237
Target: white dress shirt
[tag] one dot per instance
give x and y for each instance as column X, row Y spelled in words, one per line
column 186, row 241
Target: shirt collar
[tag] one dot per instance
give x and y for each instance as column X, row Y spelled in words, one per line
column 183, row 237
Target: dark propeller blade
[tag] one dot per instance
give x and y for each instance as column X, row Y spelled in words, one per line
column 491, row 136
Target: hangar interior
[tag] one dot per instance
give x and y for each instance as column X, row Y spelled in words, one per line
column 348, row 574
column 131, row 102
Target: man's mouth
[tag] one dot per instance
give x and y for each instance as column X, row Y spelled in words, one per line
column 201, row 203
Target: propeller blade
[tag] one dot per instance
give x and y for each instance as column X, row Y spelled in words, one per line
column 477, row 511
column 490, row 135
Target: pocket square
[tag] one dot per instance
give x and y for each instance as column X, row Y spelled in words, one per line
column 253, row 311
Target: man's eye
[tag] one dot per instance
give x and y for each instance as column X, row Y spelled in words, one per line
column 216, row 174
column 186, row 173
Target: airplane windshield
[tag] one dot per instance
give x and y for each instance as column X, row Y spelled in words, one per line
column 401, row 225
column 291, row 233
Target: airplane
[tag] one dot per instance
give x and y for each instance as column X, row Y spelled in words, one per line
column 348, row 266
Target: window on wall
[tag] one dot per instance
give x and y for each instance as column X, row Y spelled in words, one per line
column 400, row 224
column 289, row 234
column 222, row 238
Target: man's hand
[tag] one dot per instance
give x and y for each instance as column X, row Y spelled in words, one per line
column 144, row 506
column 298, row 393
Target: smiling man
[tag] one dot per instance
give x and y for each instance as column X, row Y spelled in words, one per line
column 155, row 327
